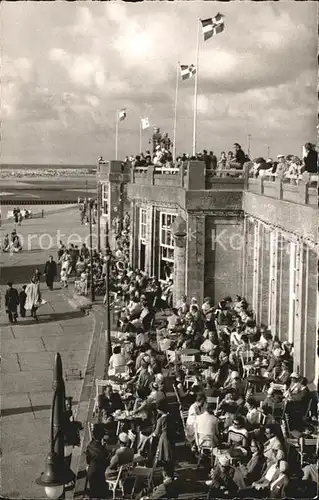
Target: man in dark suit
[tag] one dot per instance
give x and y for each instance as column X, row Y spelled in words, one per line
column 122, row 456
column 311, row 158
column 11, row 303
column 50, row 271
column 97, row 458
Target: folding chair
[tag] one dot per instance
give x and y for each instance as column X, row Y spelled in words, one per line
column 118, row 482
column 308, row 442
column 171, row 357
column 189, row 380
column 204, row 443
column 132, row 438
column 279, row 410
column 183, row 415
column 177, row 396
column 185, row 358
column 118, row 370
column 278, row 387
column 246, row 358
column 205, row 359
column 213, row 401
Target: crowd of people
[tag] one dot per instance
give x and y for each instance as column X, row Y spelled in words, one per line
column 7, row 173
column 289, row 166
column 210, row 376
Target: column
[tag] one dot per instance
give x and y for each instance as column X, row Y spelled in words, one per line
column 179, row 267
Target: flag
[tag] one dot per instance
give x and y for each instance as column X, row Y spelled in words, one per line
column 122, row 114
column 212, row 26
column 145, row 123
column 187, row 71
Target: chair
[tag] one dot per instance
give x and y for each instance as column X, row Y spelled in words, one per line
column 205, row 359
column 177, row 396
column 246, row 358
column 118, row 482
column 278, row 387
column 308, row 442
column 120, row 370
column 204, row 443
column 171, row 357
column 185, row 358
column 184, row 415
column 189, row 380
column 235, row 438
column 213, row 401
column 279, row 410
column 132, row 438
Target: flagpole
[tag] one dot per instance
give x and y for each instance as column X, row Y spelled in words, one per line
column 175, row 110
column 140, row 136
column 116, row 132
column 195, row 90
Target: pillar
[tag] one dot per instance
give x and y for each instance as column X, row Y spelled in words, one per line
column 179, row 267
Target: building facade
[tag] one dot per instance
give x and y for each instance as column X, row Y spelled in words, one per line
column 220, row 236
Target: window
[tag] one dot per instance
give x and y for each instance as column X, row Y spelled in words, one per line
column 166, row 244
column 143, row 224
column 104, row 200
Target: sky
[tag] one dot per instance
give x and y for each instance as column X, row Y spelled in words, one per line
column 68, row 66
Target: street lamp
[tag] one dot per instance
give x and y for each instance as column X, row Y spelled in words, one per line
column 56, row 474
column 107, row 301
column 91, row 250
column 98, row 189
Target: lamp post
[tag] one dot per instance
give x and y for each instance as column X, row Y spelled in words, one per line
column 91, row 251
column 107, row 301
column 249, row 140
column 56, row 474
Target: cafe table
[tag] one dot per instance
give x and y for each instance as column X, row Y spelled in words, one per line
column 122, row 417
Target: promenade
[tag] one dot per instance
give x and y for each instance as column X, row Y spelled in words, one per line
column 28, row 350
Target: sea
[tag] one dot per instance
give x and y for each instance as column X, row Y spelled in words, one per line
column 20, row 166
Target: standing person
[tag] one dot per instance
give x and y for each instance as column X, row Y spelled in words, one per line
column 37, row 275
column 165, row 435
column 97, row 459
column 50, row 271
column 20, row 218
column 311, row 158
column 33, row 297
column 22, row 300
column 11, row 303
column 240, row 156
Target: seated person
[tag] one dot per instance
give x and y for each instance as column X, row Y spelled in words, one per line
column 272, row 484
column 116, row 360
column 212, row 371
column 253, row 415
column 151, row 401
column 252, row 471
column 142, row 338
column 169, row 488
column 237, row 437
column 110, row 401
column 221, row 483
column 174, row 321
column 208, row 343
column 123, row 455
column 208, row 425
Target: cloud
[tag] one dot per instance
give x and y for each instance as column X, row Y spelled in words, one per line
column 64, row 77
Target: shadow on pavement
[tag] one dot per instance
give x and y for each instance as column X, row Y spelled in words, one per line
column 6, row 412
column 48, row 318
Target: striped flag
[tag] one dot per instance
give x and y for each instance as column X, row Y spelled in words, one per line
column 187, row 71
column 122, row 114
column 145, row 123
column 212, row 26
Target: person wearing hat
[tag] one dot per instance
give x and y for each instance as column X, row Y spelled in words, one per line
column 97, row 459
column 221, row 483
column 294, row 388
column 284, row 373
column 122, row 456
column 152, row 401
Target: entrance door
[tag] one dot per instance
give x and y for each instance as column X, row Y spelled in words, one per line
column 142, row 255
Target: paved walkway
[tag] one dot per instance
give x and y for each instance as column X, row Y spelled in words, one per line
column 28, row 350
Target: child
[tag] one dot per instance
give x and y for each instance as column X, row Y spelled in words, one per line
column 64, row 276
column 22, row 299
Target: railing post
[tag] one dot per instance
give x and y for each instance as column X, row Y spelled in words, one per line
column 261, row 185
column 132, row 175
column 303, row 193
column 181, row 175
column 150, row 174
